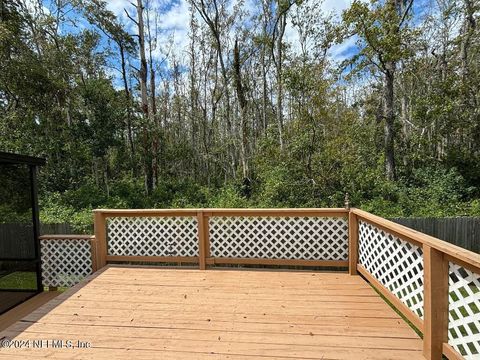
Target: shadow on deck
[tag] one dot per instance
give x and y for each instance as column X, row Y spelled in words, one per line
column 138, row 312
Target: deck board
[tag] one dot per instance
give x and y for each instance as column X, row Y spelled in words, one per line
column 25, row 308
column 148, row 313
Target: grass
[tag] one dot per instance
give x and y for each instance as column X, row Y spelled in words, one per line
column 19, row 280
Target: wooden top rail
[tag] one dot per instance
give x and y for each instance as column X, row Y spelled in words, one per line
column 69, row 237
column 326, row 212
column 456, row 254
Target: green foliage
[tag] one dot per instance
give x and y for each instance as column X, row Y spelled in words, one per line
column 58, row 99
column 428, row 192
column 53, row 210
column 178, row 193
column 227, row 197
column 475, row 208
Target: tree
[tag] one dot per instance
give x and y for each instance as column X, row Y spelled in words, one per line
column 96, row 13
column 242, row 102
column 142, row 78
column 282, row 8
column 212, row 13
column 383, row 39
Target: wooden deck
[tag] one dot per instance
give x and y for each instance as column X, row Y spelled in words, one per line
column 153, row 313
column 25, row 308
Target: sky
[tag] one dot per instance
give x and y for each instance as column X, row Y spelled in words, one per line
column 173, row 17
column 174, row 21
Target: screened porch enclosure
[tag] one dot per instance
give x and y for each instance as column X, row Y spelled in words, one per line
column 20, row 276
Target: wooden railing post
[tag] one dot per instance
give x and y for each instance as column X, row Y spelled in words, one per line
column 352, row 243
column 203, row 241
column 94, row 252
column 435, row 288
column 101, row 239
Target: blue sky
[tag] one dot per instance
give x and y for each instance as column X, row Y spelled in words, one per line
column 174, row 22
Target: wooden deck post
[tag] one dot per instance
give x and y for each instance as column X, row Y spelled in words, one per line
column 94, row 251
column 435, row 302
column 352, row 243
column 203, row 243
column 101, row 239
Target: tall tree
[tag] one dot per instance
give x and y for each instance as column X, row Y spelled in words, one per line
column 383, row 41
column 282, row 8
column 242, row 102
column 97, row 13
column 212, row 12
column 142, row 78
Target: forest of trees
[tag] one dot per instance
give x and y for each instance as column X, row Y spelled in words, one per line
column 243, row 114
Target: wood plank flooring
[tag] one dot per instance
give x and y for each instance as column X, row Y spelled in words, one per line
column 153, row 313
column 25, row 308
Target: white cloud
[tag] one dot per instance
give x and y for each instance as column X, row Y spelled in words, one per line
column 118, row 6
column 292, row 37
column 177, row 17
column 173, row 22
column 35, row 8
column 340, row 52
column 334, row 7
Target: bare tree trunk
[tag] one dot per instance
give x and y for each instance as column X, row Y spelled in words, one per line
column 193, row 94
column 129, row 103
column 467, row 33
column 389, row 122
column 153, row 106
column 142, row 74
column 264, row 92
column 213, row 22
column 389, row 101
column 263, row 53
column 242, row 101
column 282, row 22
column 143, row 61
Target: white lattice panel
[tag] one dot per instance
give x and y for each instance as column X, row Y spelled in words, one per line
column 396, row 264
column 152, row 236
column 305, row 238
column 464, row 311
column 65, row 262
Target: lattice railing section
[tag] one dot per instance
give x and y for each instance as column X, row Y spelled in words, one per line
column 65, row 262
column 464, row 311
column 303, row 238
column 396, row 264
column 152, row 236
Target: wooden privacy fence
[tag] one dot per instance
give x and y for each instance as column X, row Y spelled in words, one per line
column 434, row 284
column 16, row 238
column 460, row 231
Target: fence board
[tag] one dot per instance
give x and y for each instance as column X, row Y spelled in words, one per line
column 460, row 231
column 16, row 239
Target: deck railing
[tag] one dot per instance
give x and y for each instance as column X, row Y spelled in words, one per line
column 434, row 284
column 67, row 259
column 296, row 237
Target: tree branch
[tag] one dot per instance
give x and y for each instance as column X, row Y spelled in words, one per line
column 131, row 18
column 405, row 13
